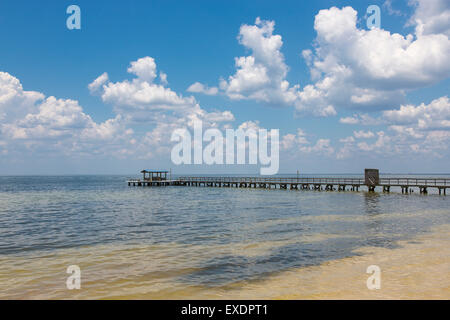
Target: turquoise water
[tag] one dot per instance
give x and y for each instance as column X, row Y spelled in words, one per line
column 245, row 234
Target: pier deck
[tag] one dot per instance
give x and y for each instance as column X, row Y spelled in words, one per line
column 296, row 183
column 151, row 183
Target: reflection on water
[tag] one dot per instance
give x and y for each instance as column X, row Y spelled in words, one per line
column 374, row 223
column 171, row 242
column 372, row 203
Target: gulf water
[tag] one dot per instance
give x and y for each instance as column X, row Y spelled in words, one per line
column 159, row 242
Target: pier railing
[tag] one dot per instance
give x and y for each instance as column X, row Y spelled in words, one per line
column 275, row 180
column 417, row 182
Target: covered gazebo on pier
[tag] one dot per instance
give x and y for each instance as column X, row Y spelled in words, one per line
column 154, row 175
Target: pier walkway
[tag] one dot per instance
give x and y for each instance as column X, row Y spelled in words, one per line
column 300, row 183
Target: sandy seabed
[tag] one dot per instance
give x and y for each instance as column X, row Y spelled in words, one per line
column 418, row 268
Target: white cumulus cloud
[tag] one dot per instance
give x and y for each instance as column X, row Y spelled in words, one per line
column 434, row 115
column 144, row 69
column 431, row 17
column 260, row 76
column 32, row 121
column 369, row 69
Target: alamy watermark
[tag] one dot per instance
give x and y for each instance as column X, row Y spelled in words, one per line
column 374, row 20
column 239, row 146
column 374, row 281
column 74, row 280
column 74, row 20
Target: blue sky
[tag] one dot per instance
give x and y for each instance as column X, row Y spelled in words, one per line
column 357, row 123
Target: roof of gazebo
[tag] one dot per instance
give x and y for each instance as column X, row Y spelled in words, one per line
column 151, row 171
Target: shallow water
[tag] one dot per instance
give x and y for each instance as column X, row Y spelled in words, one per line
column 166, row 242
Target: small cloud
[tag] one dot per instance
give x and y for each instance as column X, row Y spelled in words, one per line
column 200, row 88
column 363, row 135
column 349, row 120
column 391, row 11
column 163, row 78
column 347, row 140
column 144, row 69
column 95, row 85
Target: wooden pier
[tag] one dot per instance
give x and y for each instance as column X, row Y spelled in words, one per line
column 369, row 183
